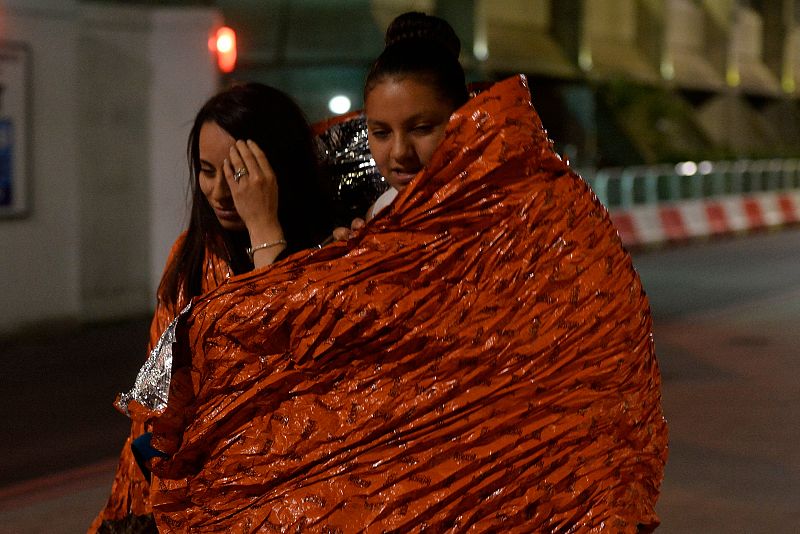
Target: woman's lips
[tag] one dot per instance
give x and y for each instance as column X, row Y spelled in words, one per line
column 225, row 214
column 403, row 177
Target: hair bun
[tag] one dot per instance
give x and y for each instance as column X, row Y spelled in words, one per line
column 417, row 26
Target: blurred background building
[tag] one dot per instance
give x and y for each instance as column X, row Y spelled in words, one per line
column 104, row 93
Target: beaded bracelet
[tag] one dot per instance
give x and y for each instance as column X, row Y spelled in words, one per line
column 268, row 244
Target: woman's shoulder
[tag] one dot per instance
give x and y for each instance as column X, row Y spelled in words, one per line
column 178, row 243
column 384, row 200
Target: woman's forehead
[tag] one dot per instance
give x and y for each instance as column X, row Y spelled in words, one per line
column 404, row 96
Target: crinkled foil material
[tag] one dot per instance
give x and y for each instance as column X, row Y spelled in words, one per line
column 129, row 501
column 478, row 358
column 151, row 387
column 344, row 154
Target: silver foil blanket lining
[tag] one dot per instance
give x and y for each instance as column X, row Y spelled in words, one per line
column 151, row 388
column 343, row 152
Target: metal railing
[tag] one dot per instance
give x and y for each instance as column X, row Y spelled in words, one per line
column 621, row 188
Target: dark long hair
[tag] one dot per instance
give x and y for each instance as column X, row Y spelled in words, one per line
column 277, row 125
column 425, row 47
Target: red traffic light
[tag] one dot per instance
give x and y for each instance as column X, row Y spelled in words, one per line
column 223, row 43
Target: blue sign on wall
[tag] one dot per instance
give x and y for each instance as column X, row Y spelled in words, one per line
column 14, row 91
column 6, row 162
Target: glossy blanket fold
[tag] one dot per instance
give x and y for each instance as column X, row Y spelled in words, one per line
column 129, row 499
column 480, row 356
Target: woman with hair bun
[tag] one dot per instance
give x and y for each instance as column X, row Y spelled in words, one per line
column 411, row 91
column 478, row 357
column 415, row 96
column 418, row 71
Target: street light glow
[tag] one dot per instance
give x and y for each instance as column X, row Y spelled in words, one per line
column 339, row 104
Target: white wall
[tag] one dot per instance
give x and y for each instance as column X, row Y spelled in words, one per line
column 148, row 71
column 114, row 154
column 114, row 91
column 39, row 254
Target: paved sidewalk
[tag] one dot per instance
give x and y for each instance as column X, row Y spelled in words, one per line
column 63, row 503
column 732, row 402
column 59, row 383
column 61, row 434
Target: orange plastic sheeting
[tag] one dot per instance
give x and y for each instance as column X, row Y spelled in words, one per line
column 479, row 357
column 130, row 491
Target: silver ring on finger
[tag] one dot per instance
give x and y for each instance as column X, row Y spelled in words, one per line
column 238, row 174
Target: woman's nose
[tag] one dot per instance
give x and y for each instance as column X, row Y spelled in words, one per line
column 402, row 149
column 221, row 190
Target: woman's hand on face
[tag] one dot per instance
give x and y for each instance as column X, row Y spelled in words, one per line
column 254, row 188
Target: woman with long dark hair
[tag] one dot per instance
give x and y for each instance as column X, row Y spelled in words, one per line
column 272, row 123
column 257, row 196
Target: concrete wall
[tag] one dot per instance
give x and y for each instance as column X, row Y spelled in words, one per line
column 114, row 90
column 515, row 36
column 40, row 253
column 695, row 53
column 146, row 73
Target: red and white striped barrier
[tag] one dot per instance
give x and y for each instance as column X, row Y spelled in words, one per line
column 676, row 221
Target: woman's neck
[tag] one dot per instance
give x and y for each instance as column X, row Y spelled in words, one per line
column 237, row 242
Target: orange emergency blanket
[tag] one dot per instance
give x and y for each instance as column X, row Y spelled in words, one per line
column 129, row 501
column 479, row 357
